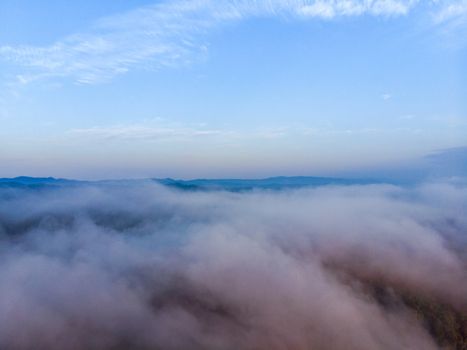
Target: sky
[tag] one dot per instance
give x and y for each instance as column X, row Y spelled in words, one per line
column 204, row 88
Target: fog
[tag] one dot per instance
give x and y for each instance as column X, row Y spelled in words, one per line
column 142, row 266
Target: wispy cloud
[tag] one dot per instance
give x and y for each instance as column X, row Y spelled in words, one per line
column 162, row 131
column 170, row 33
column 452, row 11
column 143, row 132
column 331, row 9
column 386, row 96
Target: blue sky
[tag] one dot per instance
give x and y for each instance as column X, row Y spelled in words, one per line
column 111, row 89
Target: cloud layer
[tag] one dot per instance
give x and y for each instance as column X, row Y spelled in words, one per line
column 136, row 265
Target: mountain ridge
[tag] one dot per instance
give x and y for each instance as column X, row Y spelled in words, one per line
column 229, row 184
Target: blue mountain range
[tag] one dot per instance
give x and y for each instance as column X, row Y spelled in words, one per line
column 278, row 182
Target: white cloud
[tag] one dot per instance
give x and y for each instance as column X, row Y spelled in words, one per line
column 452, row 11
column 386, row 96
column 166, row 34
column 407, row 117
column 143, row 132
column 330, row 9
column 163, row 131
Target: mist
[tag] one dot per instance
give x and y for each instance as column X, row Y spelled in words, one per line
column 141, row 266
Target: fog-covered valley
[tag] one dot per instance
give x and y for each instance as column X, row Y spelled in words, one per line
column 138, row 265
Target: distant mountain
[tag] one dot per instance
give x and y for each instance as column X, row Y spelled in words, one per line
column 278, row 182
column 35, row 182
column 272, row 183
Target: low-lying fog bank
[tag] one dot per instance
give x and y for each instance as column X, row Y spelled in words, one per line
column 142, row 266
